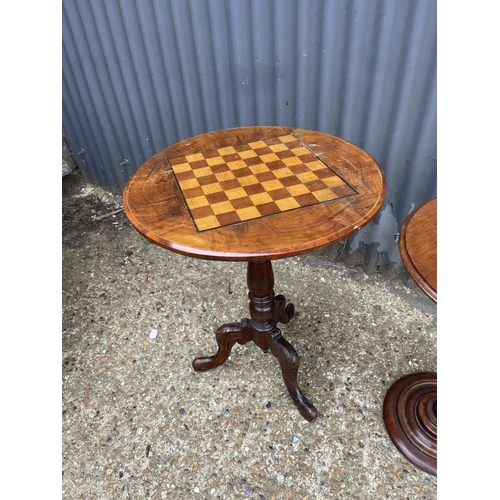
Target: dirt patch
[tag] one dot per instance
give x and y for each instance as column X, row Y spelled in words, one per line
column 88, row 207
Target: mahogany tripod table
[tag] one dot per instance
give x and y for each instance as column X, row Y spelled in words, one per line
column 410, row 405
column 255, row 194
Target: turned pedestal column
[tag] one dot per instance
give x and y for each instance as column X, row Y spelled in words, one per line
column 266, row 310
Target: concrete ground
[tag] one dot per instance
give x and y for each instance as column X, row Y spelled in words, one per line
column 139, row 423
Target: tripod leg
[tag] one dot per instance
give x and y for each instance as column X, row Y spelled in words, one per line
column 226, row 336
column 289, row 362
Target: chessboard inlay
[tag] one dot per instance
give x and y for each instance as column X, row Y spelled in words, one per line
column 233, row 184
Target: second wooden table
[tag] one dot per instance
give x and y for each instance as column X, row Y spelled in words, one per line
column 410, row 405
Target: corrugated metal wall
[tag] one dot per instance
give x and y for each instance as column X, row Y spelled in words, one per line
column 139, row 76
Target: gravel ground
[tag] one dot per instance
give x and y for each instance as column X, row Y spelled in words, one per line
column 138, row 422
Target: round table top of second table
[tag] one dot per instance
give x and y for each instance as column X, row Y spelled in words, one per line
column 254, row 193
column 418, row 246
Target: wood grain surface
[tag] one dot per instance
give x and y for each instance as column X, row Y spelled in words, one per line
column 155, row 206
column 418, row 247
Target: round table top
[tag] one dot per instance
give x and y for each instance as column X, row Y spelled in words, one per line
column 418, row 247
column 254, row 193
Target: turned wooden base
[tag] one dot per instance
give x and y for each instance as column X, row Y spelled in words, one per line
column 266, row 310
column 410, row 416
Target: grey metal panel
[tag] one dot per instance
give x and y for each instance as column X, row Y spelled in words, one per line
column 141, row 75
